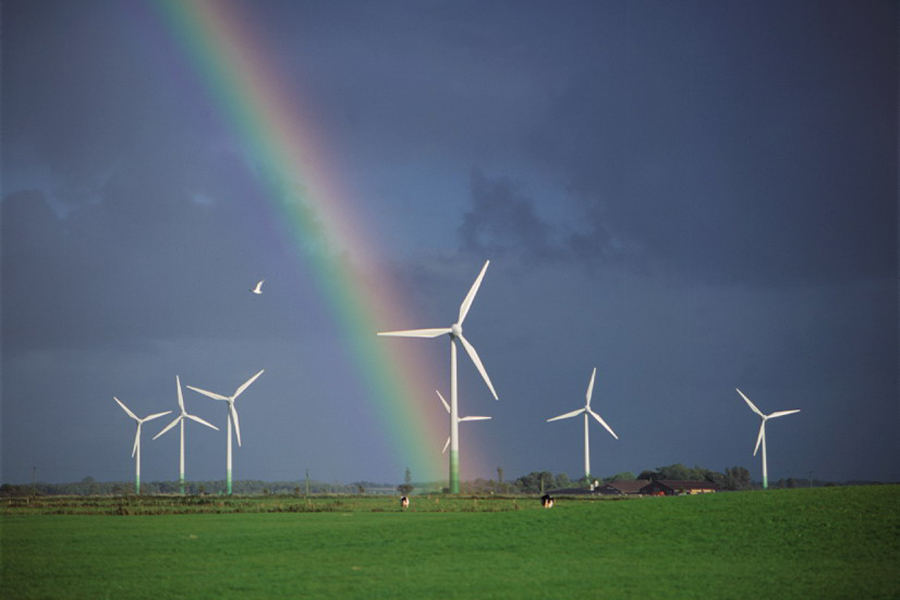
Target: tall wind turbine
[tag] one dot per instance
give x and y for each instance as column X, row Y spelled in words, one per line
column 232, row 414
column 136, row 450
column 458, row 419
column 761, row 438
column 587, row 411
column 180, row 419
column 456, row 333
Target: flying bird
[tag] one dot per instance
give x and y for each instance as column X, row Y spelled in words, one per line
column 258, row 288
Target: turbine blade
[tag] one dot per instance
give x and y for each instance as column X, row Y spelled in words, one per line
column 199, row 420
column 247, row 383
column 212, row 395
column 156, row 416
column 474, row 419
column 417, row 333
column 126, row 409
column 750, row 404
column 590, row 390
column 574, row 413
column 782, row 413
column 470, row 297
column 180, row 395
column 447, row 406
column 168, row 427
column 602, row 422
column 237, row 425
column 759, row 438
column 446, row 445
column 470, row 350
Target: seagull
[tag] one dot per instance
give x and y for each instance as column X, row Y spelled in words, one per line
column 258, row 288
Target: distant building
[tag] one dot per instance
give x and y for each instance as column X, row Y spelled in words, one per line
column 623, row 488
column 668, row 487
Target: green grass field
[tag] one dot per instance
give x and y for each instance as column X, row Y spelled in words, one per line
column 811, row 543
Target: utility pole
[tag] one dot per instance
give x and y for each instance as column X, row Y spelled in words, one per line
column 307, row 483
column 34, row 481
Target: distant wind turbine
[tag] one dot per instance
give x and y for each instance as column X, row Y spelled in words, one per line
column 587, row 411
column 136, row 450
column 456, row 333
column 458, row 419
column 180, row 419
column 258, row 288
column 761, row 438
column 232, row 415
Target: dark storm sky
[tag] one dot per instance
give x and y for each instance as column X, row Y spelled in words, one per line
column 690, row 196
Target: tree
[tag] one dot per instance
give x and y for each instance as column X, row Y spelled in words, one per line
column 677, row 472
column 624, row 476
column 737, row 478
column 533, row 482
column 406, row 487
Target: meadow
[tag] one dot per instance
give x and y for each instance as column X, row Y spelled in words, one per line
column 841, row 542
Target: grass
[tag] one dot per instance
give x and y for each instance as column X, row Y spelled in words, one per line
column 822, row 543
column 166, row 505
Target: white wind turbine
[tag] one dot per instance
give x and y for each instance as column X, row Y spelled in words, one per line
column 232, row 415
column 587, row 411
column 761, row 438
column 458, row 419
column 180, row 419
column 136, row 450
column 456, row 333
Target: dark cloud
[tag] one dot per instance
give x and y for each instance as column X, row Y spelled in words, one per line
column 502, row 222
column 729, row 159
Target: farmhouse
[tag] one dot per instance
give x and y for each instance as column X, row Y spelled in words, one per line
column 669, row 487
column 623, row 488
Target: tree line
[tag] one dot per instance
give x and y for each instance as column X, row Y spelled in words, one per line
column 537, row 482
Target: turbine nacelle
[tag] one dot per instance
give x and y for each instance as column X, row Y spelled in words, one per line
column 761, row 436
column 458, row 419
column 184, row 414
column 455, row 331
column 232, row 411
column 587, row 408
column 140, row 421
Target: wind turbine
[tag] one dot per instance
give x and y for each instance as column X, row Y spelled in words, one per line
column 136, row 450
column 180, row 419
column 458, row 419
column 587, row 411
column 761, row 438
column 456, row 333
column 232, row 414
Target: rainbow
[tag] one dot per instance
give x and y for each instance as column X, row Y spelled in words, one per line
column 263, row 116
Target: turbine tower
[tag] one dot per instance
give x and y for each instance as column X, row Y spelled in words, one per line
column 456, row 333
column 761, row 438
column 458, row 419
column 587, row 411
column 136, row 450
column 232, row 415
column 180, row 419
